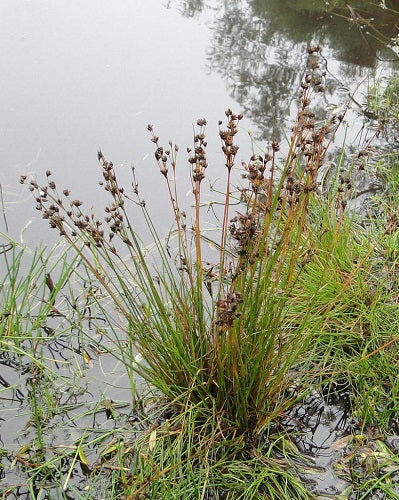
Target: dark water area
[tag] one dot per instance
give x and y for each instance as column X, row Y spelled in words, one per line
column 79, row 76
column 261, row 51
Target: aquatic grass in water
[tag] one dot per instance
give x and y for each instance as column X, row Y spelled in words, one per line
column 357, row 335
column 44, row 372
column 29, row 288
column 189, row 456
column 288, row 302
column 210, row 333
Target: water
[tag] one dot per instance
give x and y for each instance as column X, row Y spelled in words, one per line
column 79, row 76
column 261, row 51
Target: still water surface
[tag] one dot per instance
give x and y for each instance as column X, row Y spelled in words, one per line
column 78, row 76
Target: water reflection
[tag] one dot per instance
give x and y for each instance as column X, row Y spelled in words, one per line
column 259, row 47
column 77, row 76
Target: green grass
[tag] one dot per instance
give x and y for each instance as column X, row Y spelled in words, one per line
column 45, row 363
column 181, row 458
column 298, row 294
column 357, row 313
column 214, row 333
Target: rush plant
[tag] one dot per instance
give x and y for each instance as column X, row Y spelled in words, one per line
column 216, row 335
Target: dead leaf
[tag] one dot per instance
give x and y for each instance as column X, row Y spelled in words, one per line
column 152, row 440
column 341, row 443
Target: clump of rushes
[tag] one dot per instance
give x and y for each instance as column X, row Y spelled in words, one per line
column 215, row 339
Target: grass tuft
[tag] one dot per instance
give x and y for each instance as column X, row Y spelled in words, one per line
column 298, row 294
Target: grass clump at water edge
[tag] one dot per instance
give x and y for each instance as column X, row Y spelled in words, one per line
column 235, row 344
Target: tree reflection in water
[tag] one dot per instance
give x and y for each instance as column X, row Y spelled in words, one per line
column 259, row 47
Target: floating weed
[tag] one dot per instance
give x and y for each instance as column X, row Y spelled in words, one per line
column 370, row 465
column 61, row 467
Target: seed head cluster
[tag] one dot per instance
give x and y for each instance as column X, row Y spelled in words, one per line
column 164, row 156
column 197, row 158
column 310, row 141
column 255, row 172
column 226, row 311
column 243, row 229
column 227, row 136
column 67, row 216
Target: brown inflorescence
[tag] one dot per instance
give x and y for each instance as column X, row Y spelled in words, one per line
column 197, row 158
column 227, row 136
column 163, row 156
column 243, row 229
column 73, row 223
column 226, row 311
column 310, row 140
column 255, row 172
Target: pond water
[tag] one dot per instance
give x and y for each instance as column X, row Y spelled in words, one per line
column 79, row 76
